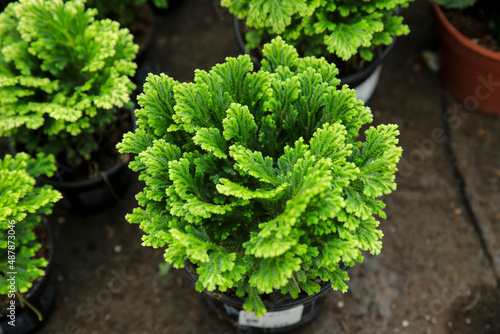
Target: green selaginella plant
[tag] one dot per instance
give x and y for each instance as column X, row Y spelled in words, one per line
column 338, row 28
column 62, row 75
column 22, row 205
column 260, row 178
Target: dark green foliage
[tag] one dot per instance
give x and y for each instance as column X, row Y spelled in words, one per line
column 459, row 4
column 62, row 73
column 320, row 27
column 23, row 204
column 123, row 11
column 259, row 178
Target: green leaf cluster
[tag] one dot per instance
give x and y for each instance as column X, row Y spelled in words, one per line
column 260, row 178
column 62, row 74
column 343, row 28
column 24, row 203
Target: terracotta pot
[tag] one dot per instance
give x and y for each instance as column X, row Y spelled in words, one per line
column 470, row 71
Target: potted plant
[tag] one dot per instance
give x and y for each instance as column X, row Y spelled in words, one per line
column 26, row 246
column 65, row 89
column 259, row 180
column 355, row 35
column 469, row 49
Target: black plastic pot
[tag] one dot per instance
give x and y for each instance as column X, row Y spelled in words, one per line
column 41, row 295
column 163, row 11
column 281, row 316
column 96, row 194
column 142, row 53
column 353, row 80
column 93, row 195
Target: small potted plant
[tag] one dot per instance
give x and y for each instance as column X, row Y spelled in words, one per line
column 469, row 49
column 355, row 35
column 25, row 246
column 258, row 182
column 65, row 89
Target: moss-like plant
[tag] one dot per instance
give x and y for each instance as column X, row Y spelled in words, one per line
column 340, row 28
column 62, row 74
column 22, row 205
column 260, row 178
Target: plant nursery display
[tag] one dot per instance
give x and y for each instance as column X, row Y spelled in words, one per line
column 63, row 78
column 355, row 35
column 259, row 181
column 23, row 256
column 469, row 50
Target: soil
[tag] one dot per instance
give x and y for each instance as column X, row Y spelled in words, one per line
column 474, row 25
column 101, row 160
column 438, row 271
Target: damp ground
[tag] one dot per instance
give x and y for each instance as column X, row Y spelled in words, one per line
column 440, row 264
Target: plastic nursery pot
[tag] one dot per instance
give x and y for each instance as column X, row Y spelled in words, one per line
column 163, row 11
column 469, row 71
column 142, row 30
column 363, row 82
column 280, row 317
column 95, row 194
column 41, row 296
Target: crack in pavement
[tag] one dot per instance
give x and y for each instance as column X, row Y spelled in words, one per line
column 481, row 222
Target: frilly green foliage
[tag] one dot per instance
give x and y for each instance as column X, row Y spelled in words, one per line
column 321, row 27
column 24, row 203
column 259, row 178
column 62, row 73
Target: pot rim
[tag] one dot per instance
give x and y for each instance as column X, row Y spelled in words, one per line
column 271, row 306
column 103, row 176
column 84, row 183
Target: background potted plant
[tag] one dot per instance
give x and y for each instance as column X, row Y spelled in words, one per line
column 259, row 180
column 25, row 247
column 355, row 35
column 65, row 89
column 135, row 15
column 469, row 49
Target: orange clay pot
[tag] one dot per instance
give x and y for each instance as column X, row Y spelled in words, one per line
column 470, row 71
